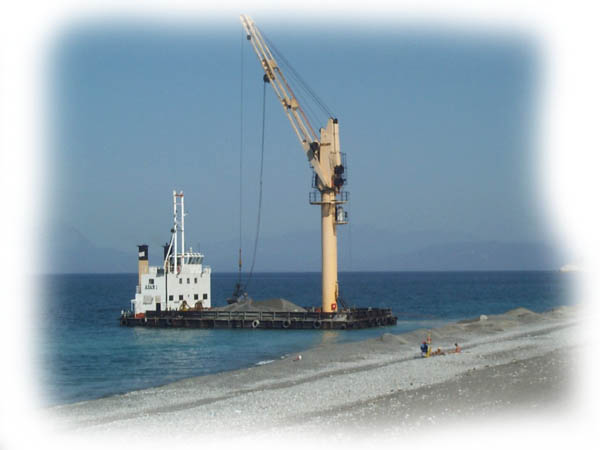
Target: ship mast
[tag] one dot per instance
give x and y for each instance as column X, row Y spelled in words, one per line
column 175, row 232
column 180, row 195
column 173, row 251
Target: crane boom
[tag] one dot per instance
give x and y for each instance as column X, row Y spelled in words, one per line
column 323, row 153
column 294, row 112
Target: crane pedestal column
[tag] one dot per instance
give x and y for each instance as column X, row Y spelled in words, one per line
column 329, row 252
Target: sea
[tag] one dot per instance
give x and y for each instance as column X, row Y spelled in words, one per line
column 82, row 353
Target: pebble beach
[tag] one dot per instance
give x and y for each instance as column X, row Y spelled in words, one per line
column 516, row 361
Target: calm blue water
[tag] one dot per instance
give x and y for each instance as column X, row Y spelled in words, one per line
column 85, row 354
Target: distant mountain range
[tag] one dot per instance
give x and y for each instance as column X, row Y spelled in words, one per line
column 69, row 251
column 362, row 249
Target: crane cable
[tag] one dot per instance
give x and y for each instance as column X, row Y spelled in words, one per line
column 239, row 282
column 260, row 188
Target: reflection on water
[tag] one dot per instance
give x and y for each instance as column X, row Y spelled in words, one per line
column 330, row 336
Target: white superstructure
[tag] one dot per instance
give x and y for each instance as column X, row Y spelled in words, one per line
column 183, row 281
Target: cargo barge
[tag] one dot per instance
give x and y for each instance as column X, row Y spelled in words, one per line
column 355, row 318
column 177, row 295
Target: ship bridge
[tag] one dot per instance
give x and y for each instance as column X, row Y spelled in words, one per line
column 194, row 258
column 182, row 282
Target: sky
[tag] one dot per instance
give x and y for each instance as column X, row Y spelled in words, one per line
column 438, row 126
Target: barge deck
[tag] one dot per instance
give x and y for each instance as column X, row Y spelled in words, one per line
column 354, row 318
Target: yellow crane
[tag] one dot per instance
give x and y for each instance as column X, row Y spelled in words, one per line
column 323, row 153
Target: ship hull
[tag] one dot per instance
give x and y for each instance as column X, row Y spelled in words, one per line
column 310, row 320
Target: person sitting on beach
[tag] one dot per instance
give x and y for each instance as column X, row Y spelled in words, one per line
column 424, row 349
column 456, row 348
column 437, row 352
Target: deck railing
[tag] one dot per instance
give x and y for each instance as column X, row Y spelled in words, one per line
column 358, row 313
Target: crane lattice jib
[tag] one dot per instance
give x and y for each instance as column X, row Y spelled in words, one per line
column 300, row 123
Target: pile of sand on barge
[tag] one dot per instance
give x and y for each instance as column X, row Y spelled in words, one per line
column 270, row 305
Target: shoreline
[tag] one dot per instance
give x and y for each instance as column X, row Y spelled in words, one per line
column 375, row 383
